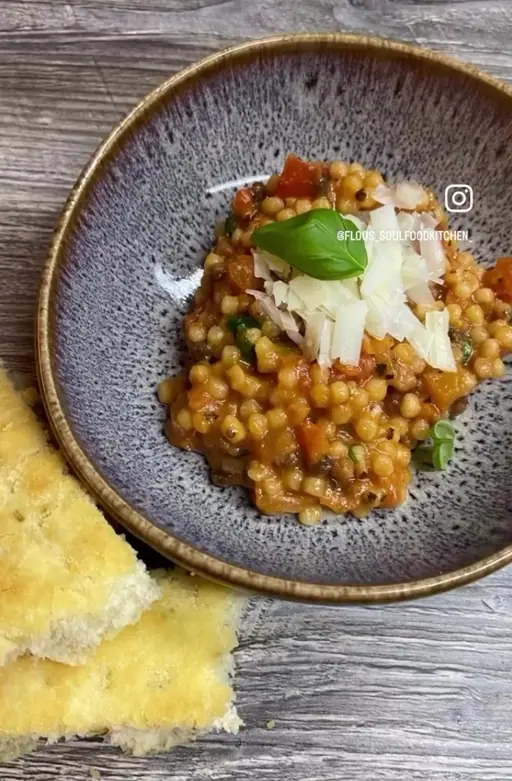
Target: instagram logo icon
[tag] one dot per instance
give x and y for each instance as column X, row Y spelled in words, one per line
column 458, row 198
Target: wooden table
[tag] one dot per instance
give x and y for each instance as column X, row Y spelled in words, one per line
column 415, row 691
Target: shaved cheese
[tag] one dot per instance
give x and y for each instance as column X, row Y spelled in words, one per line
column 416, row 333
column 280, row 292
column 261, row 269
column 415, row 276
column 337, row 294
column 441, row 353
column 407, row 326
column 351, row 285
column 408, row 195
column 378, row 317
column 294, row 302
column 414, row 268
column 384, row 219
column 284, row 320
column 348, row 332
column 383, row 194
column 428, row 220
column 382, row 286
column 431, row 249
column 324, row 348
column 258, row 295
column 275, row 264
column 405, row 255
column 313, row 292
column 292, row 329
column 404, row 195
column 314, row 328
column 406, row 221
column 268, row 306
column 421, row 294
column 382, row 276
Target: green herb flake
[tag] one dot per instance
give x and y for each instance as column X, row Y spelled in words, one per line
column 234, row 322
column 230, row 224
column 239, row 325
column 467, row 351
column 321, row 243
column 354, row 453
column 443, row 431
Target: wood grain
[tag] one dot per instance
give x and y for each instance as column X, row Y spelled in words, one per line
column 415, row 691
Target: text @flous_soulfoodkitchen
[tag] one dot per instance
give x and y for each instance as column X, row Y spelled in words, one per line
column 371, row 235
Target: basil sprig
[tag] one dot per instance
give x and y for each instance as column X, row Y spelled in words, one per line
column 321, row 243
column 441, row 448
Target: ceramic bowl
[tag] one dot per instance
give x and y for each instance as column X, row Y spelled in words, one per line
column 126, row 260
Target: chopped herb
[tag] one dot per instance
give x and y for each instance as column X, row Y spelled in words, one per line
column 441, row 448
column 230, row 224
column 234, row 322
column 321, row 243
column 355, row 454
column 244, row 344
column 467, row 351
column 239, row 325
column 464, row 341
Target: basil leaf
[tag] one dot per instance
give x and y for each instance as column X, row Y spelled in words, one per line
column 422, row 455
column 441, row 454
column 234, row 322
column 442, row 447
column 443, row 431
column 321, row 243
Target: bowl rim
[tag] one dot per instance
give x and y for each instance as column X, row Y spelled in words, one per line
column 170, row 546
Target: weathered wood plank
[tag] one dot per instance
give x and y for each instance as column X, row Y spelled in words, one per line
column 417, row 691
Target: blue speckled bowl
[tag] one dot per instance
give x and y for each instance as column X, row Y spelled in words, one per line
column 126, row 258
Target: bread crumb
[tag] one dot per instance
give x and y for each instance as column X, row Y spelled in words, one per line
column 270, row 724
column 94, row 773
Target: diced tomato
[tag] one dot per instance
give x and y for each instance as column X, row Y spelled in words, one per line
column 499, row 279
column 243, row 202
column 299, row 179
column 446, row 387
column 313, row 441
column 358, row 373
column 241, row 273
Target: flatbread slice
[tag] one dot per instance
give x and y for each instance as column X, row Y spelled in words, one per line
column 66, row 578
column 159, row 682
